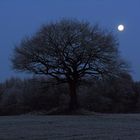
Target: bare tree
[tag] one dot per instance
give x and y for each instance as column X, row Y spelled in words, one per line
column 69, row 50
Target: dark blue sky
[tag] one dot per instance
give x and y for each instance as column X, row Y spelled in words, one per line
column 19, row 18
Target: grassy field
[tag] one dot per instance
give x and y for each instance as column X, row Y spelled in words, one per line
column 95, row 127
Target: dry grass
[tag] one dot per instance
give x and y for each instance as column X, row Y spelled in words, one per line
column 79, row 127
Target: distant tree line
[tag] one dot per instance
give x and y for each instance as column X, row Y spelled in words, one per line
column 113, row 95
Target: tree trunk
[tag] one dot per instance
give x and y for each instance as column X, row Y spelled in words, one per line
column 73, row 104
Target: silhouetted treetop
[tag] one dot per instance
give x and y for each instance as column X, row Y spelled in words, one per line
column 69, row 50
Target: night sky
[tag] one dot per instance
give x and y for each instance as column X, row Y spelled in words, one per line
column 19, row 18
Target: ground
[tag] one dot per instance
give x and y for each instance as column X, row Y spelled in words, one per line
column 92, row 127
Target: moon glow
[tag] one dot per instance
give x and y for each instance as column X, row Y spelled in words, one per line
column 120, row 27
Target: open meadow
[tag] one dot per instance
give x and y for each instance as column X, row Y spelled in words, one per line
column 92, row 127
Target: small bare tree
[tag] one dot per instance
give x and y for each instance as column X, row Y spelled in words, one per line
column 69, row 51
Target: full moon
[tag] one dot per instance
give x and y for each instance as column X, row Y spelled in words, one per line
column 120, row 27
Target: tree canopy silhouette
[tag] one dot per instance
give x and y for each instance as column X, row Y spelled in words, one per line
column 69, row 50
